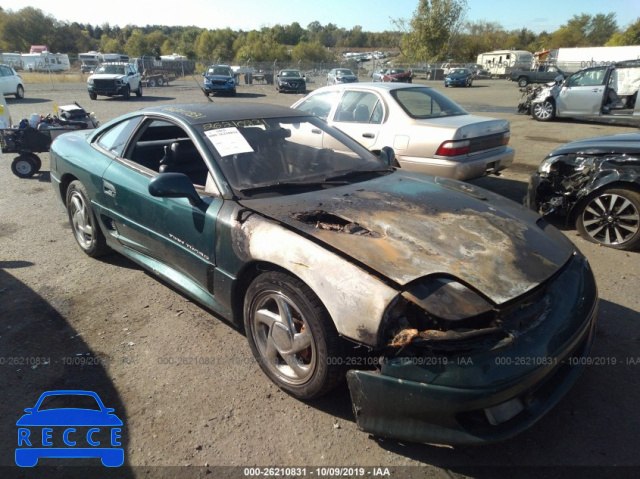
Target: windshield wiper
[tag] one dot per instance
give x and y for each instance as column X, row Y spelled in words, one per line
column 292, row 184
column 354, row 173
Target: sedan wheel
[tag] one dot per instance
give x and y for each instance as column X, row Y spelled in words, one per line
column 20, row 92
column 83, row 222
column 611, row 218
column 544, row 111
column 292, row 336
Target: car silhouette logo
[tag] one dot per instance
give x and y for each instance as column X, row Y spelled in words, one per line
column 89, row 431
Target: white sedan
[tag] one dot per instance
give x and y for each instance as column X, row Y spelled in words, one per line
column 428, row 131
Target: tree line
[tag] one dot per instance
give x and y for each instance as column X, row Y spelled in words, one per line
column 437, row 31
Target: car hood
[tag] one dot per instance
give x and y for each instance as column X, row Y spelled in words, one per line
column 615, row 144
column 405, row 226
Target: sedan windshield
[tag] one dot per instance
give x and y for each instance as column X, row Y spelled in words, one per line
column 287, row 153
column 290, row 73
column 424, row 103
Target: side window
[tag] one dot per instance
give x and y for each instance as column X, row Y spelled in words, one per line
column 115, row 139
column 319, row 105
column 358, row 106
column 588, row 78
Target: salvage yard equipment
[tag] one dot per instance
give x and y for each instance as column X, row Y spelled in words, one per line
column 37, row 137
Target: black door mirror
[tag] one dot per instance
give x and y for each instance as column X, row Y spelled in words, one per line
column 389, row 156
column 174, row 185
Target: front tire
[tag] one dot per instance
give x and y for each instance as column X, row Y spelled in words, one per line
column 126, row 93
column 544, row 111
column 83, row 222
column 523, row 82
column 611, row 217
column 139, row 90
column 93, row 96
column 292, row 335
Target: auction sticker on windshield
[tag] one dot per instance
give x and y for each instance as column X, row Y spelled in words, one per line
column 229, row 141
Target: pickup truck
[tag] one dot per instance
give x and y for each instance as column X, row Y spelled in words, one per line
column 111, row 79
column 542, row 74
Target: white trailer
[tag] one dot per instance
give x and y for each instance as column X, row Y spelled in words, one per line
column 500, row 63
column 571, row 60
column 45, row 62
column 89, row 61
column 14, row 60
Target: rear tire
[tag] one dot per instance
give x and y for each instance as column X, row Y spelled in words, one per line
column 20, row 92
column 523, row 82
column 139, row 90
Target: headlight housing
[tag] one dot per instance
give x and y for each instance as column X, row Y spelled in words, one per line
column 577, row 163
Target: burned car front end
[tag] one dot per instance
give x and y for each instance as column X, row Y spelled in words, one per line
column 469, row 341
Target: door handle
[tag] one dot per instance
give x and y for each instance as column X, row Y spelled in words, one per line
column 596, row 90
column 108, row 189
column 368, row 135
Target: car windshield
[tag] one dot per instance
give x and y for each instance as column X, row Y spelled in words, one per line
column 290, row 73
column 424, row 103
column 286, row 154
column 219, row 71
column 344, row 72
column 458, row 71
column 112, row 69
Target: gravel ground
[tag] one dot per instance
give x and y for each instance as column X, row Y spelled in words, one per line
column 185, row 383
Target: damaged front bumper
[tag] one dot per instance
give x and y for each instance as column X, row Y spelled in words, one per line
column 485, row 396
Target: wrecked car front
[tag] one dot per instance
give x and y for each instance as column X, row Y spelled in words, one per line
column 574, row 171
column 475, row 311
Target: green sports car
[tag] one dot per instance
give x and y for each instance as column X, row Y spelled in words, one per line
column 456, row 315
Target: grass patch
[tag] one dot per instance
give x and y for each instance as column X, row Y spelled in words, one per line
column 58, row 77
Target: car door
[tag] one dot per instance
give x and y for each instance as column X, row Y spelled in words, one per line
column 582, row 94
column 360, row 114
column 169, row 231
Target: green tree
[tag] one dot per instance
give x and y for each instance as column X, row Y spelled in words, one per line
column 434, row 25
column 631, row 36
column 310, row 52
column 29, row 26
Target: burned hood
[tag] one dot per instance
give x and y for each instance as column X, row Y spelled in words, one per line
column 405, row 226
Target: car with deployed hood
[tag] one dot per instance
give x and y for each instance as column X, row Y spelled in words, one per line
column 458, row 77
column 593, row 184
column 423, row 291
column 341, row 75
column 428, row 132
column 219, row 79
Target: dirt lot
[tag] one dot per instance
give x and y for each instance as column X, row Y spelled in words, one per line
column 185, row 384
